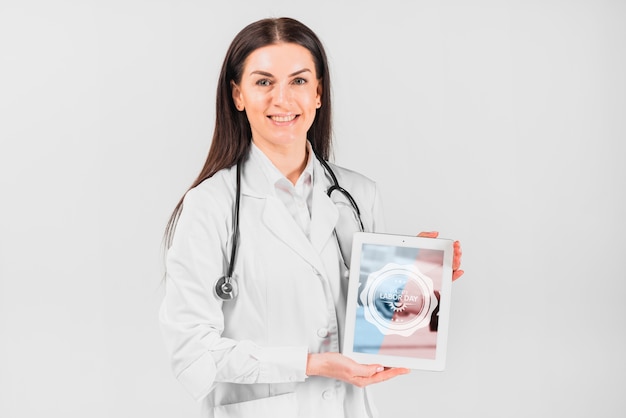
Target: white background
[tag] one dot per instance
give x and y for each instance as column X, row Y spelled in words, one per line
column 501, row 124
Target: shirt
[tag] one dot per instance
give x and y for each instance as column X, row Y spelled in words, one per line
column 296, row 198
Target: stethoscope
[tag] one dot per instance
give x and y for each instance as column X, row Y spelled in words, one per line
column 226, row 287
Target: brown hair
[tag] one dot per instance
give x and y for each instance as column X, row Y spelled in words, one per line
column 232, row 133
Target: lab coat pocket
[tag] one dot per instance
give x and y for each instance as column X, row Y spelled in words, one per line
column 281, row 406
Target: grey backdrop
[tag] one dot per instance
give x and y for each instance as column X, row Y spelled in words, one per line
column 500, row 124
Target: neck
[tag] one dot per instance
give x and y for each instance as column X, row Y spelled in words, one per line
column 289, row 160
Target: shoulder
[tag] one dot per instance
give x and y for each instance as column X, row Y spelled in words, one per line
column 353, row 180
column 349, row 174
column 219, row 187
column 365, row 193
column 211, row 199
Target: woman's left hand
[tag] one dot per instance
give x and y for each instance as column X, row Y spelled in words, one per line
column 456, row 259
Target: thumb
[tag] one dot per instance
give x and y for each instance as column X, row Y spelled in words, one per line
column 372, row 369
column 366, row 370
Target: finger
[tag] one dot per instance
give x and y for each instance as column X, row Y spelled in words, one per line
column 366, row 370
column 389, row 373
column 456, row 263
column 429, row 234
column 457, row 248
column 456, row 260
column 457, row 274
column 372, row 369
column 398, row 370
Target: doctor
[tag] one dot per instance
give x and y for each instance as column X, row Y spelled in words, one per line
column 271, row 347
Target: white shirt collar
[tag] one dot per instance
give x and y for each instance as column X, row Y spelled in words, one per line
column 273, row 175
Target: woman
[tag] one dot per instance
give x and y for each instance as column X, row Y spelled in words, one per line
column 270, row 346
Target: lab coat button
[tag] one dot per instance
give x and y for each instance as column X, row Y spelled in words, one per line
column 322, row 332
column 328, row 395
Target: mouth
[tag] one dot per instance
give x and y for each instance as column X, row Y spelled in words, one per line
column 283, row 118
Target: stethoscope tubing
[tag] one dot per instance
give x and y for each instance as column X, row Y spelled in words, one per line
column 235, row 245
column 336, row 187
column 226, row 287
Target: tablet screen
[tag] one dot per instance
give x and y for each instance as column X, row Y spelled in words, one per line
column 398, row 300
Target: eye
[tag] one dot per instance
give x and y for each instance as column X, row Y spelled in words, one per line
column 299, row 81
column 264, row 82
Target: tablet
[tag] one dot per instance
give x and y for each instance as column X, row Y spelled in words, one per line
column 399, row 301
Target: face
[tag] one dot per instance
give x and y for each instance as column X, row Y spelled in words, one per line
column 280, row 93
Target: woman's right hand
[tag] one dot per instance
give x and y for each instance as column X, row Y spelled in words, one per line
column 338, row 366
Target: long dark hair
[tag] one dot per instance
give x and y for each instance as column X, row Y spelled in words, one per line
column 232, row 133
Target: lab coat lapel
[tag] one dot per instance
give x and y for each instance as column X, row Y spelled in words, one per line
column 324, row 216
column 324, row 213
column 280, row 222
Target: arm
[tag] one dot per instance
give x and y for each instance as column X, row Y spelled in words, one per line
column 191, row 316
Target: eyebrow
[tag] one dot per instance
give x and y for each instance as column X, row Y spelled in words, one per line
column 266, row 74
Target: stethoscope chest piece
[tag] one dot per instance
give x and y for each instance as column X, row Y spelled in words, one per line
column 226, row 288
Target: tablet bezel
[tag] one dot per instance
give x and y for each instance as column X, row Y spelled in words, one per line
column 365, row 238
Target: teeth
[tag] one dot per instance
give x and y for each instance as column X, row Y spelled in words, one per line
column 283, row 118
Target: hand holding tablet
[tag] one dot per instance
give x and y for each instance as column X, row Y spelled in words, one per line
column 399, row 300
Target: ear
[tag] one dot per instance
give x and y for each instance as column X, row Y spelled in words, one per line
column 318, row 97
column 237, row 96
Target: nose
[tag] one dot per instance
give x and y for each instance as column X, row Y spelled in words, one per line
column 282, row 94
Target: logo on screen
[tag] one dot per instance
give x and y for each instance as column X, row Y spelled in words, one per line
column 398, row 299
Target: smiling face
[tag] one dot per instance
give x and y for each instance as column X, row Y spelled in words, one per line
column 280, row 94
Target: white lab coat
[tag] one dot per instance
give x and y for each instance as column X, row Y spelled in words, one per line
column 247, row 357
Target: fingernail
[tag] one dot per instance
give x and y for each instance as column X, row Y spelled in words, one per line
column 379, row 369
